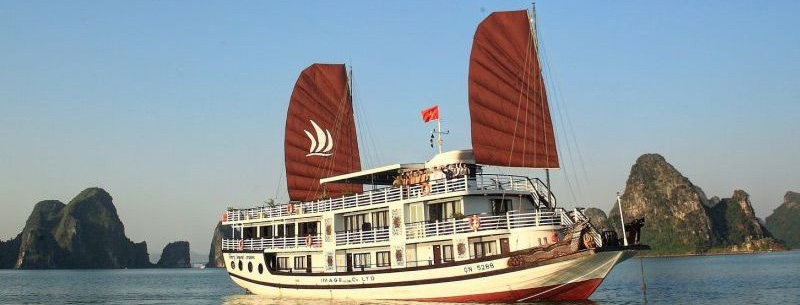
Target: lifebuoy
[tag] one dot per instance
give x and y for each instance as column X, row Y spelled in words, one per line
column 290, row 208
column 241, row 244
column 425, row 189
column 588, row 241
column 225, row 217
column 474, row 222
column 308, row 240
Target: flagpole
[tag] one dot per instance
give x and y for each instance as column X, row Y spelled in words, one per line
column 439, row 126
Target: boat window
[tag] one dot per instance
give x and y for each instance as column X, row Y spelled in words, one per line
column 485, row 248
column 260, row 269
column 306, row 228
column 267, row 231
column 283, row 263
column 250, row 267
column 382, row 259
column 354, row 222
column 280, row 231
column 380, row 220
column 299, row 262
column 500, row 206
column 416, row 212
column 447, row 253
column 443, row 210
column 249, row 232
column 361, row 260
column 233, row 265
column 240, row 266
column 290, row 230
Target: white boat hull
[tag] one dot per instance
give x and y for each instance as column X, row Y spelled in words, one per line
column 573, row 277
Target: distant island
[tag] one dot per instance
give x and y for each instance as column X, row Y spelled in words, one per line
column 86, row 233
column 680, row 219
column 215, row 259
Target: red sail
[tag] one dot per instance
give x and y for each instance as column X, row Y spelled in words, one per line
column 511, row 123
column 320, row 138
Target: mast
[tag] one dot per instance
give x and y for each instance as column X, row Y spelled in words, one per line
column 534, row 32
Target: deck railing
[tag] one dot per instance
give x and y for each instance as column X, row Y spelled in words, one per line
column 501, row 222
column 298, row 242
column 480, row 182
column 362, row 237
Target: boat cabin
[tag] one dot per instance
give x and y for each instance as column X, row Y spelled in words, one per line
column 410, row 215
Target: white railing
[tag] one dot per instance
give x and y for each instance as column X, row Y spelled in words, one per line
column 481, row 182
column 501, row 222
column 271, row 243
column 362, row 237
column 598, row 239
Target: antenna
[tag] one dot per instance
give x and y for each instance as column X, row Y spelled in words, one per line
column 438, row 131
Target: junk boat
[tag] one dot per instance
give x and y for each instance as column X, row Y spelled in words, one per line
column 443, row 230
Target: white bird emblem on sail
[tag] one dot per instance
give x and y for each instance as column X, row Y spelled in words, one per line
column 322, row 144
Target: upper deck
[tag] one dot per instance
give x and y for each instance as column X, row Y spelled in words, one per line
column 465, row 185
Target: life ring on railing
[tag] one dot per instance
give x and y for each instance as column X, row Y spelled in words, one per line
column 475, row 222
column 241, row 244
column 225, row 217
column 425, row 189
column 308, row 240
column 290, row 208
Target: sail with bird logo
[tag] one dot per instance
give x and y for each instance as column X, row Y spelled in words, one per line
column 320, row 136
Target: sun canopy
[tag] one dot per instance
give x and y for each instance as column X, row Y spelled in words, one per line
column 384, row 175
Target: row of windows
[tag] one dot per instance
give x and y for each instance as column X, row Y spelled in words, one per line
column 249, row 267
column 359, row 222
column 300, row 263
column 445, row 210
column 282, row 230
column 362, row 260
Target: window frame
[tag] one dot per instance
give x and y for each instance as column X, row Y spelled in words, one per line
column 301, row 265
column 282, row 263
column 447, row 254
column 363, row 258
column 379, row 259
column 504, row 207
column 484, row 246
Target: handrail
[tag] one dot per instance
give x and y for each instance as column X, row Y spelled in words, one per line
column 480, row 182
column 451, row 226
column 271, row 243
column 362, row 237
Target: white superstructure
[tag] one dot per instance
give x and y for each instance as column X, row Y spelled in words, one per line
column 450, row 222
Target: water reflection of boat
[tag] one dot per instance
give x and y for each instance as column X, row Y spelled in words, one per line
column 444, row 230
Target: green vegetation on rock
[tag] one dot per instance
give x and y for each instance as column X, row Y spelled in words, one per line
column 784, row 223
column 679, row 217
column 598, row 218
column 175, row 255
column 676, row 221
column 86, row 233
column 215, row 259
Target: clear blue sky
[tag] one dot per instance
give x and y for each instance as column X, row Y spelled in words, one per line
column 177, row 107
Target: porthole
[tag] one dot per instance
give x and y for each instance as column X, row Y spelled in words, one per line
column 233, row 265
column 250, row 267
column 260, row 269
column 240, row 266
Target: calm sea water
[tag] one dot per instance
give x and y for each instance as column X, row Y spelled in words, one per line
column 772, row 278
